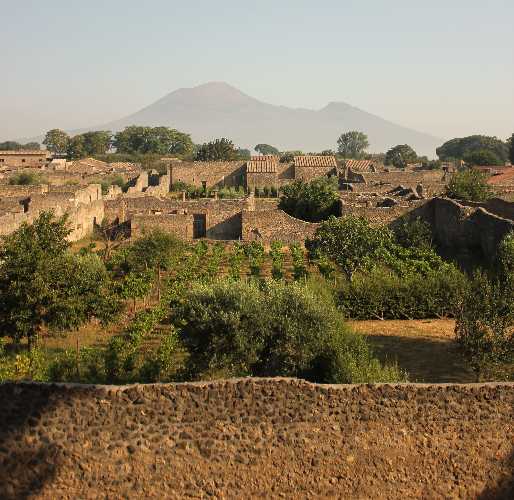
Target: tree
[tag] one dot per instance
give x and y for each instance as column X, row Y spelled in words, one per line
column 156, row 140
column 511, row 149
column 350, row 242
column 484, row 326
column 266, row 149
column 469, row 185
column 400, row 156
column 25, row 179
column 352, row 144
column 482, row 157
column 56, row 141
column 76, row 147
column 16, row 146
column 234, row 329
column 217, row 150
column 97, row 142
column 243, row 154
column 459, row 148
column 311, row 201
column 33, row 146
column 42, row 284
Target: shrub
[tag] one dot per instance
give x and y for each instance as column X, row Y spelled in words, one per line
column 25, row 179
column 277, row 259
column 311, row 201
column 255, row 253
column 273, row 329
column 484, row 326
column 297, row 254
column 415, row 233
column 384, row 295
column 235, row 261
column 469, row 185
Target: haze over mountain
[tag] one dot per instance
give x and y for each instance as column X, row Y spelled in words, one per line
column 217, row 109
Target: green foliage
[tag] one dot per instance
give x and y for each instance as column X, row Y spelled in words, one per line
column 350, row 242
column 153, row 140
column 217, row 150
column 288, row 156
column 243, row 154
column 311, row 201
column 469, row 185
column 42, row 284
column 231, row 193
column 235, row 261
column 28, row 365
column 485, row 324
column 482, row 157
column 352, row 144
column 275, row 329
column 382, row 294
column 25, row 179
column 255, row 253
column 400, row 156
column 215, row 259
column 277, row 259
column 511, row 149
column 16, row 146
column 506, row 257
column 57, row 141
column 460, row 148
column 89, row 144
column 413, row 233
column 298, row 256
column 266, row 149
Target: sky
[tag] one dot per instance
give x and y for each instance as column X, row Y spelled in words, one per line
column 441, row 67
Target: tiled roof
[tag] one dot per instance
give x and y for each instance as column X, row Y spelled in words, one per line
column 38, row 152
column 506, row 175
column 359, row 165
column 273, row 158
column 260, row 167
column 315, row 161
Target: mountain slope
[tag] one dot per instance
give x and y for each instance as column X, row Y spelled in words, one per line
column 217, row 109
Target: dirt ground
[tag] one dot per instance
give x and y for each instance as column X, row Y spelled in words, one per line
column 424, row 348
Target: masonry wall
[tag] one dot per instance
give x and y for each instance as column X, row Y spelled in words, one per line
column 213, row 173
column 181, row 225
column 257, row 437
column 271, row 225
column 23, row 160
column 460, row 228
column 307, row 174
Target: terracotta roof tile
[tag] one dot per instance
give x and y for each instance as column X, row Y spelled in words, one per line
column 359, row 165
column 259, row 167
column 273, row 158
column 315, row 161
column 506, row 175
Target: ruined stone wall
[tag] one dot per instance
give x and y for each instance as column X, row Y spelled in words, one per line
column 162, row 188
column 21, row 160
column 258, row 438
column 261, row 180
column 271, row 225
column 9, row 191
column 460, row 228
column 495, row 206
column 376, row 215
column 213, row 173
column 181, row 225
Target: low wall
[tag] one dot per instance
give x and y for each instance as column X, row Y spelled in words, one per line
column 257, row 438
column 181, row 225
column 271, row 225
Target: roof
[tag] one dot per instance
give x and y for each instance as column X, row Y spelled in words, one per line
column 25, row 152
column 505, row 175
column 359, row 165
column 261, row 166
column 315, row 161
column 273, row 158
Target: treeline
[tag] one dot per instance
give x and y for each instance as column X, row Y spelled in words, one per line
column 16, row 146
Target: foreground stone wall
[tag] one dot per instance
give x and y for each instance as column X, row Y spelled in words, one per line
column 257, row 437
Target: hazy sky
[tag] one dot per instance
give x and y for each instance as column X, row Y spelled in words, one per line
column 441, row 66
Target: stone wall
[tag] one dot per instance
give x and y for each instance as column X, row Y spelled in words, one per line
column 271, row 225
column 496, row 206
column 213, row 173
column 264, row 438
column 458, row 228
column 181, row 225
column 307, row 174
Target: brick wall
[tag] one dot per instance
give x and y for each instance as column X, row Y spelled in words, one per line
column 265, row 438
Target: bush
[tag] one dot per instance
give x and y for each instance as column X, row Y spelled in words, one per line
column 298, row 256
column 25, row 179
column 273, row 329
column 485, row 325
column 277, row 258
column 255, row 253
column 384, row 295
column 416, row 233
column 469, row 185
column 311, row 201
column 235, row 261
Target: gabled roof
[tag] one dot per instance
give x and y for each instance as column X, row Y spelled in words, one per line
column 359, row 165
column 260, row 166
column 273, row 158
column 315, row 161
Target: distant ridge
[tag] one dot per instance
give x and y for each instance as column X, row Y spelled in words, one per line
column 217, row 109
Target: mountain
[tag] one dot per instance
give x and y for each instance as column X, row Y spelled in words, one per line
column 217, row 109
